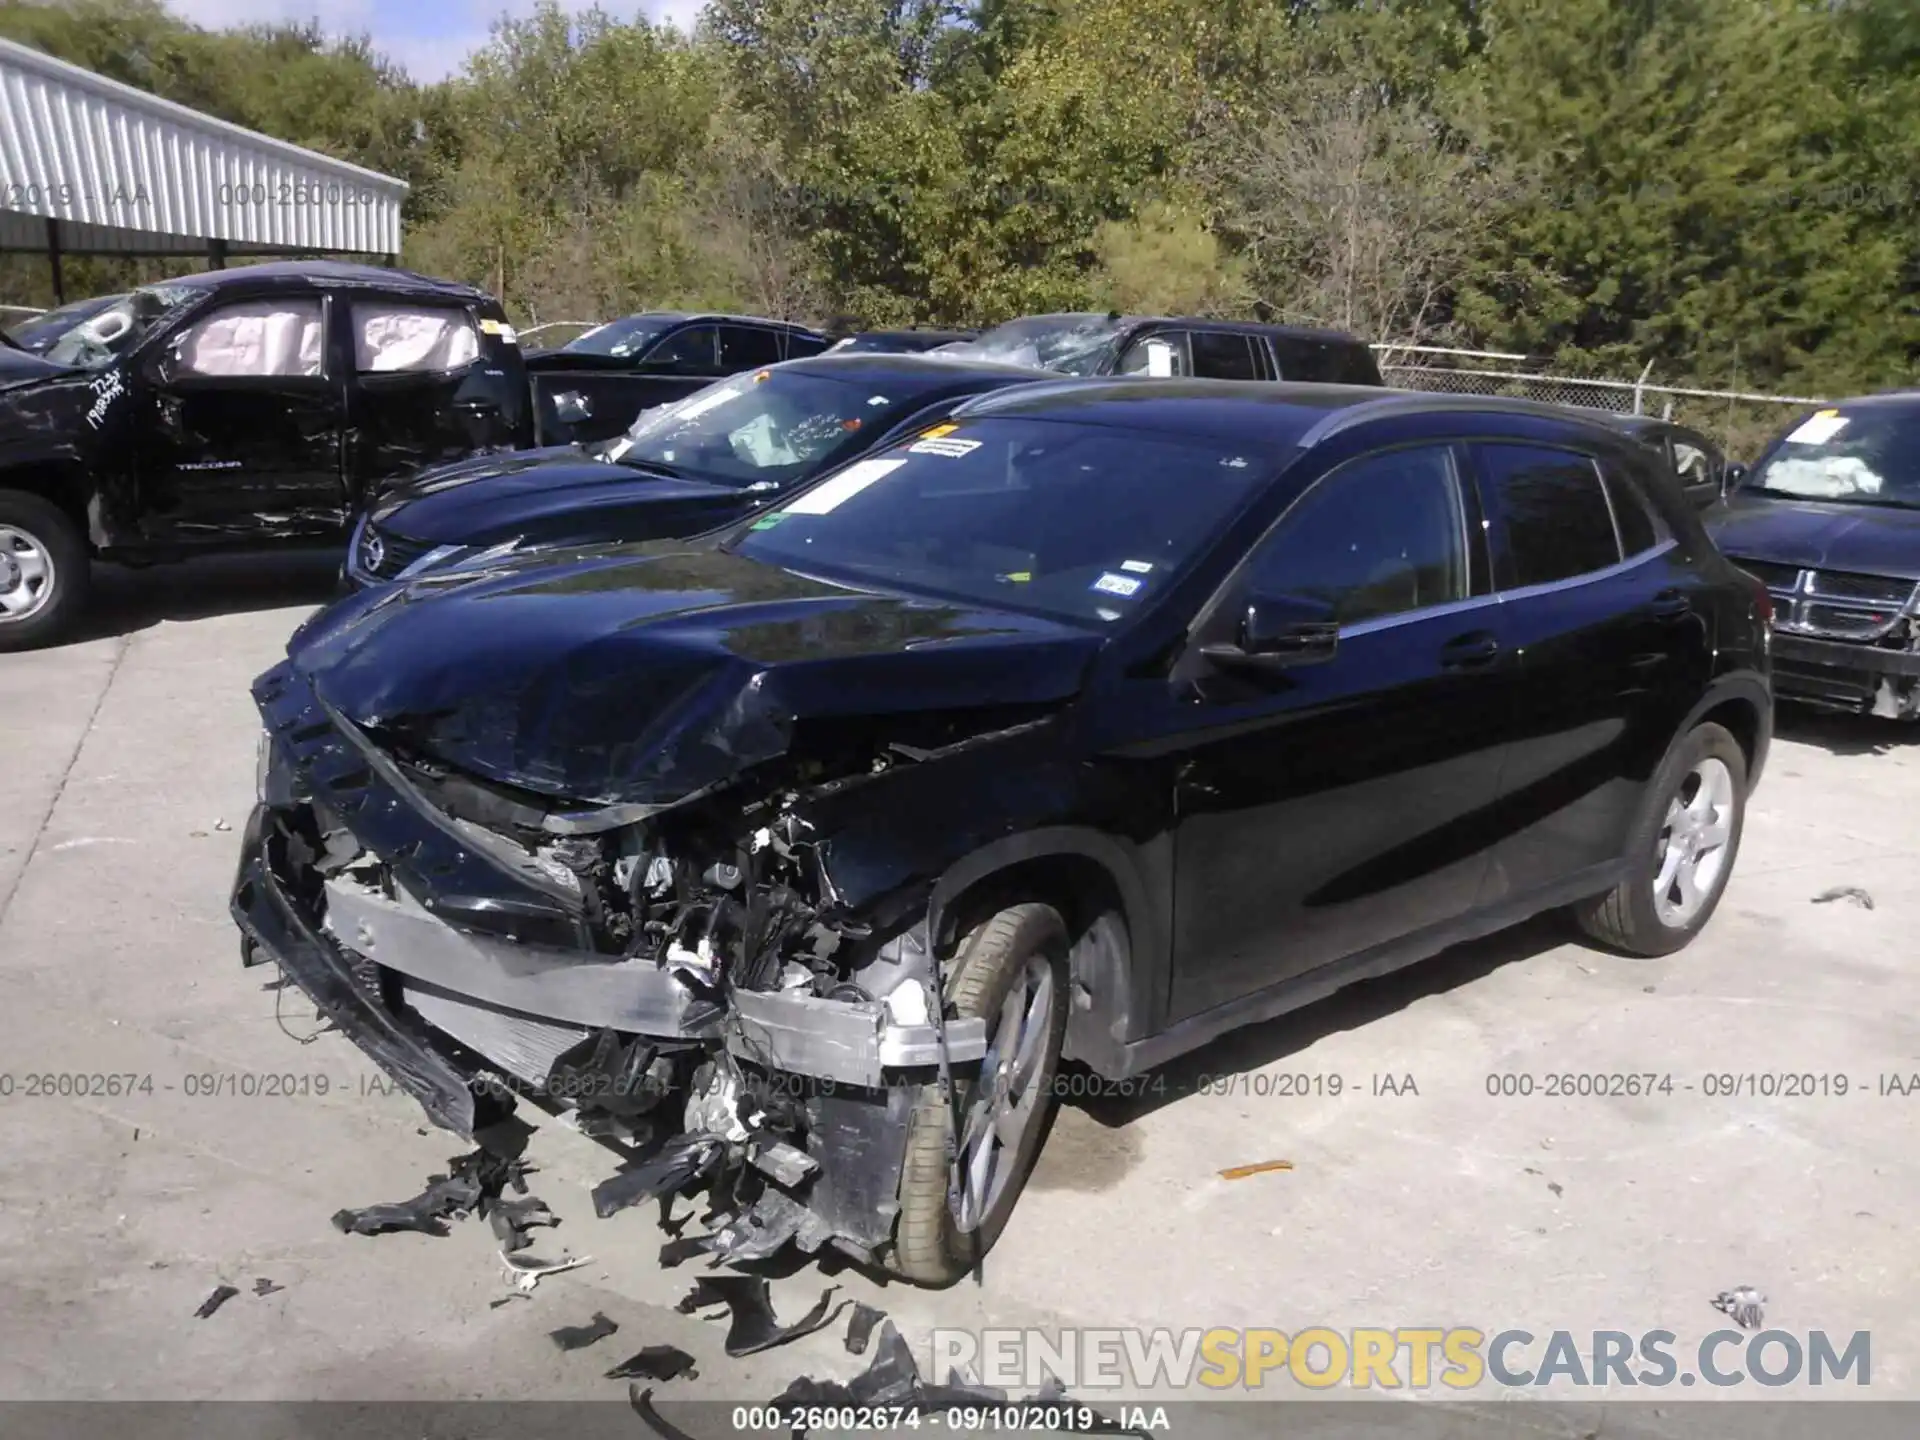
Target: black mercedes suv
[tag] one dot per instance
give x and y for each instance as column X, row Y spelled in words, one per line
column 1089, row 723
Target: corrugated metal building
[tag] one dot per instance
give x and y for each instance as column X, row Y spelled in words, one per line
column 91, row 166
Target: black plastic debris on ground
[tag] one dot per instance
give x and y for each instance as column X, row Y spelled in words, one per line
column 893, row 1380
column 753, row 1326
column 1851, row 893
column 264, row 1286
column 669, row 1170
column 578, row 1337
column 656, row 1362
column 682, row 1248
column 473, row 1185
column 219, row 1297
column 511, row 1219
column 860, row 1327
column 642, row 1403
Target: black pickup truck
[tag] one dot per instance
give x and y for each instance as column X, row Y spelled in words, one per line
column 233, row 409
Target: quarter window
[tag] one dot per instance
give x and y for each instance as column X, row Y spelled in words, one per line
column 258, row 338
column 1640, row 528
column 1553, row 511
column 388, row 338
column 1384, row 535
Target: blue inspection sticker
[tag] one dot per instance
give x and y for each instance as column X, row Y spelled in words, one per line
column 1125, row 586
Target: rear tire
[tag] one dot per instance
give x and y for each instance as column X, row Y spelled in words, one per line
column 1681, row 851
column 1013, row 965
column 45, row 571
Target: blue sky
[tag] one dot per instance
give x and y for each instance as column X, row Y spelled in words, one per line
column 429, row 37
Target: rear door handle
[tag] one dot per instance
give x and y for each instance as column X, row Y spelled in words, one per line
column 1466, row 651
column 1670, row 605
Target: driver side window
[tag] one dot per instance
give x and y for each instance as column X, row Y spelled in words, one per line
column 686, row 352
column 252, row 339
column 1162, row 353
column 1384, row 535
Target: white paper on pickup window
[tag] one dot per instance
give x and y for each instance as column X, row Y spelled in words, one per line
column 1819, row 430
column 830, row 495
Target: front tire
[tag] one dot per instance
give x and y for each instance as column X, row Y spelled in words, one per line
column 1012, row 972
column 1681, row 852
column 44, row 571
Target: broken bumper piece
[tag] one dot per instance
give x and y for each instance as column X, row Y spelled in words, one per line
column 280, row 933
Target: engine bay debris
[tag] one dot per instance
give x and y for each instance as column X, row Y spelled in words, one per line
column 578, row 1337
column 656, row 1362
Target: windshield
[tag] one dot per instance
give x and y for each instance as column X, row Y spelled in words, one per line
column 767, row 427
column 1866, row 456
column 104, row 338
column 620, row 338
column 42, row 330
column 1080, row 522
column 1071, row 344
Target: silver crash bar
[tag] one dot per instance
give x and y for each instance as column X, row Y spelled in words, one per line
column 852, row 1042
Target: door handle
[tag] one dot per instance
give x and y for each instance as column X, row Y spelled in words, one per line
column 1465, row 651
column 1670, row 605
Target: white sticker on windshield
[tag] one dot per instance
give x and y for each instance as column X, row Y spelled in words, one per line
column 1159, row 358
column 1820, row 429
column 943, row 445
column 701, row 404
column 1137, row 567
column 1122, row 585
column 830, row 495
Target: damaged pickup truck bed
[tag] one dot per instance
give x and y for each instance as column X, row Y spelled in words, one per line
column 794, row 859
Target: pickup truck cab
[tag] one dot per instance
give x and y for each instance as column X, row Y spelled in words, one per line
column 238, row 408
column 1165, row 346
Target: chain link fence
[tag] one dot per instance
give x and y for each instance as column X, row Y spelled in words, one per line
column 1741, row 422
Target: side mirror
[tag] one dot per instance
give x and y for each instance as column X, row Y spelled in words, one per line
column 570, row 407
column 1279, row 632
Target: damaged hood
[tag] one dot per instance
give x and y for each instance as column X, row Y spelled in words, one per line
column 550, row 495
column 22, row 367
column 628, row 675
column 1820, row 535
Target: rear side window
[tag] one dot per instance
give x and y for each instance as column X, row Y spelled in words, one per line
column 1222, row 355
column 1554, row 516
column 399, row 336
column 746, row 347
column 801, row 346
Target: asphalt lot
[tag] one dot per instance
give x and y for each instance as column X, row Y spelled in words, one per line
column 126, row 772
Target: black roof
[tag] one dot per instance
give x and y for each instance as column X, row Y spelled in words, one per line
column 1244, row 327
column 1252, row 411
column 1641, row 426
column 1881, row 399
column 325, row 272
column 679, row 316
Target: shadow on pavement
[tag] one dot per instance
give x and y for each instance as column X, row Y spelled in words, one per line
column 126, row 600
column 1840, row 734
column 1358, row 1005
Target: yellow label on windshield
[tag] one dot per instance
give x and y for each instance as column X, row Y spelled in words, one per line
column 937, row 431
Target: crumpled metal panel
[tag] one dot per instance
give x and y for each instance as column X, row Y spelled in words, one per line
column 91, row 152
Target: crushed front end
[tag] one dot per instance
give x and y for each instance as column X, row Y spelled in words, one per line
column 683, row 983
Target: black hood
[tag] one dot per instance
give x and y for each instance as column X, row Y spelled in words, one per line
column 643, row 675
column 22, row 367
column 556, row 494
column 1820, row 535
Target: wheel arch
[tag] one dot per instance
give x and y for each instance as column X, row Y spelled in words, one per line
column 57, row 479
column 1740, row 702
column 1117, row 932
